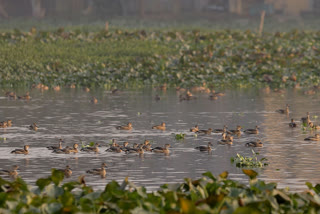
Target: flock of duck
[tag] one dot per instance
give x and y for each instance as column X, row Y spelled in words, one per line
column 227, row 137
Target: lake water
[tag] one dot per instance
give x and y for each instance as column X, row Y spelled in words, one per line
column 68, row 114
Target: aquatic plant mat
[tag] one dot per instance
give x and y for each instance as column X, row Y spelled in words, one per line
column 209, row 194
column 140, row 57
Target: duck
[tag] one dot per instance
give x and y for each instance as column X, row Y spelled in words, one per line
column 9, row 123
column 306, row 119
column 208, row 131
column 57, row 88
column 74, row 149
column 91, row 148
column 134, row 148
column 283, row 111
column 3, row 124
column 25, row 97
column 226, row 139
column 94, row 100
column 114, row 147
column 213, row 96
column 67, row 150
column 256, row 143
column 221, row 130
column 194, row 129
column 99, row 171
column 11, row 95
column 237, row 131
column 33, row 127
column 67, row 171
column 204, row 148
column 292, row 124
column 12, row 172
column 56, row 147
column 164, row 149
column 313, row 126
column 23, row 151
column 157, row 98
column 316, row 137
column 138, row 151
column 127, row 127
column 252, row 131
column 162, row 127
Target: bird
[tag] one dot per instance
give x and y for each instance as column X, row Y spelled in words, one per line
column 94, row 100
column 3, row 124
column 25, row 97
column 12, row 172
column 164, row 149
column 256, row 143
column 283, row 111
column 204, row 148
column 56, row 147
column 313, row 126
column 292, row 124
column 91, row 148
column 99, row 171
column 306, row 119
column 157, row 97
column 316, row 137
column 127, row 127
column 208, row 131
column 162, row 126
column 23, row 151
column 11, row 95
column 194, row 129
column 213, row 96
column 67, row 171
column 67, row 150
column 221, row 130
column 226, row 139
column 236, row 131
column 9, row 123
column 252, row 131
column 33, row 127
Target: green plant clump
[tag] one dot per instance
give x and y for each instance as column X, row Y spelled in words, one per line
column 253, row 161
column 180, row 136
column 209, row 194
column 135, row 58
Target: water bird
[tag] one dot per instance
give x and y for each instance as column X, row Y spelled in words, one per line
column 226, row 139
column 306, row 119
column 157, row 97
column 219, row 94
column 99, row 171
column 127, row 127
column 13, row 172
column 208, row 131
column 256, row 143
column 283, row 111
column 164, row 149
column 212, row 96
column 94, row 100
column 94, row 148
column 162, row 126
column 194, row 129
column 3, row 124
column 114, row 147
column 292, row 124
column 67, row 150
column 56, row 147
column 221, row 130
column 313, row 126
column 33, row 127
column 86, row 89
column 25, row 97
column 67, row 171
column 252, row 131
column 23, row 151
column 11, row 95
column 9, row 123
column 204, row 148
column 316, row 137
column 57, row 88
column 236, row 131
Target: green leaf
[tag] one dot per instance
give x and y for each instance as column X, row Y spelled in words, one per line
column 43, row 182
column 250, row 173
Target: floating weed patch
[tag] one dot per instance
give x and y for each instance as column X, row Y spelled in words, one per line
column 180, row 136
column 242, row 161
column 84, row 145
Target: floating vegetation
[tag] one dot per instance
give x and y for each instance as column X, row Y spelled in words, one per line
column 153, row 57
column 180, row 136
column 251, row 162
column 209, row 194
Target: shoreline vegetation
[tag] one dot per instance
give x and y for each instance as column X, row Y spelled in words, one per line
column 209, row 194
column 136, row 58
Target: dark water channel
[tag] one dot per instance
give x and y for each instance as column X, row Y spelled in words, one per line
column 68, row 114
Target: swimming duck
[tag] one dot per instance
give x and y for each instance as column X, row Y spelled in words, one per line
column 256, row 143
column 114, row 147
column 157, row 97
column 12, row 172
column 94, row 100
column 67, row 171
column 57, row 88
column 306, row 119
column 204, row 148
column 74, row 149
column 292, row 124
column 195, row 129
column 11, row 95
column 67, row 150
column 236, row 131
column 3, row 124
column 205, row 131
column 252, row 131
column 213, row 96
column 221, row 130
column 127, row 127
column 33, row 127
column 164, row 149
column 56, row 147
column 162, row 127
column 283, row 111
column 9, row 123
column 86, row 89
column 91, row 148
column 23, row 151
column 313, row 126
column 100, row 171
column 25, row 97
column 138, row 150
column 226, row 139
column 316, row 137
column 134, row 148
